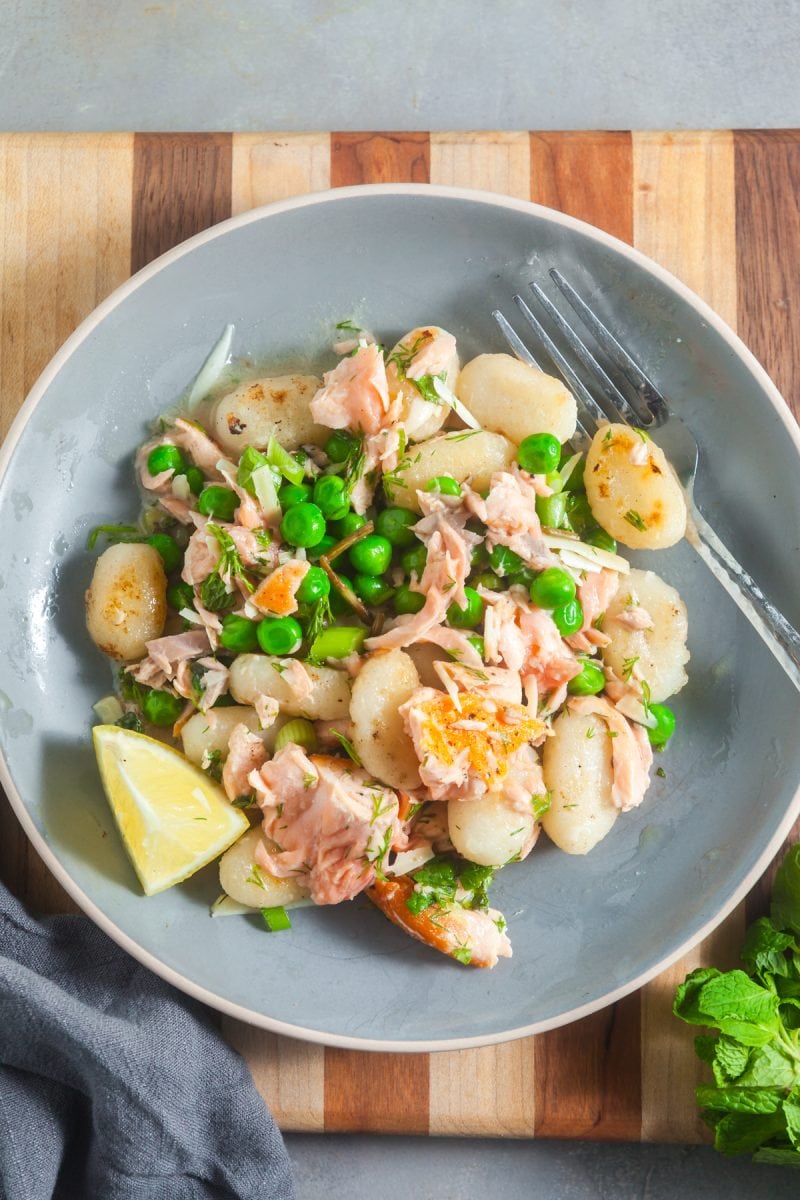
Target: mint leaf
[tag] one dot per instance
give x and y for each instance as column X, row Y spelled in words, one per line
column 730, row 1060
column 785, row 910
column 742, row 1133
column 740, row 1007
column 764, row 949
column 739, row 1099
column 705, row 1047
column 778, row 1156
column 770, row 1065
column 791, row 1112
column 686, row 1003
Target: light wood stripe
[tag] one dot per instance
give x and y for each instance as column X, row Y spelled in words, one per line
column 494, row 162
column 64, row 246
column 269, row 167
column 587, row 1083
column 379, row 158
column 483, row 1093
column 585, row 174
column 684, row 217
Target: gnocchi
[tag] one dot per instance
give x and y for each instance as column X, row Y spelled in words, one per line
column 276, row 406
column 632, row 490
column 577, row 771
column 205, row 733
column 126, row 604
column 512, row 398
column 490, row 831
column 386, row 680
column 647, row 624
column 247, row 883
column 254, row 675
column 472, row 457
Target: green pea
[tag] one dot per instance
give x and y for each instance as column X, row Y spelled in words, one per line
column 339, row 445
column 552, row 510
column 195, row 478
column 219, row 502
column 338, row 603
column 446, row 485
column 161, row 708
column 489, row 580
column 603, row 540
column 539, row 454
column 579, row 513
column 372, row 589
column 590, row 681
column 469, row 616
column 303, row 525
column 322, row 547
column 406, row 601
column 395, row 524
column 314, row 587
column 293, row 493
column 413, row 561
column 479, row 556
column 552, row 588
column 504, row 561
column 476, row 640
column 329, row 497
column 239, row 635
column 568, row 617
column 165, row 458
column 279, row 635
column 180, row 595
column 350, row 523
column 372, row 555
column 664, row 728
column 523, row 579
column 168, row 548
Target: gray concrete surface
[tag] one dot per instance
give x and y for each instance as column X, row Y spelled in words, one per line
column 329, row 1168
column 398, row 64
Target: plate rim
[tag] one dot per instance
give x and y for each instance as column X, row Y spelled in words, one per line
column 28, row 407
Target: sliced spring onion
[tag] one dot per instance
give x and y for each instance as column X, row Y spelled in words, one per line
column 180, row 487
column 108, row 710
column 589, row 554
column 211, row 369
column 263, row 482
column 288, row 466
column 632, row 707
column 337, row 642
column 452, row 401
column 276, row 919
column 226, row 906
column 567, row 469
column 409, row 860
column 299, row 731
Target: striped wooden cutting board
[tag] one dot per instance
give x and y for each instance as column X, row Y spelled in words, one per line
column 79, row 213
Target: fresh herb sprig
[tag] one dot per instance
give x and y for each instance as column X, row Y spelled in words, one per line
column 753, row 1106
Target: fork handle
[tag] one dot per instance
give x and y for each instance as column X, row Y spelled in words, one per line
column 781, row 637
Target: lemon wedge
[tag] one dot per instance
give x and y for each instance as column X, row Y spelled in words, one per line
column 172, row 817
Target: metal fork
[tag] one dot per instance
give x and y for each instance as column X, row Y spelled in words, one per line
column 627, row 395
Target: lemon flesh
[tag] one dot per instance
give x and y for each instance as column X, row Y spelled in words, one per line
column 173, row 819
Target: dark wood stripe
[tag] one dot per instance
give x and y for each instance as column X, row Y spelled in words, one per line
column 380, row 158
column 181, row 185
column 376, row 1093
column 588, row 1080
column 767, row 170
column 588, row 175
column 588, row 1076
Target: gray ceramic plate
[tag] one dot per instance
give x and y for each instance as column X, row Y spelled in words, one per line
column 585, row 930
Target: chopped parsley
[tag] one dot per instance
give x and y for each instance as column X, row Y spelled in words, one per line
column 130, row 720
column 427, row 388
column 212, row 765
column 541, row 804
column 463, row 954
column 661, row 773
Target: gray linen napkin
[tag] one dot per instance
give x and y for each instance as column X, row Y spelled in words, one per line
column 114, row 1086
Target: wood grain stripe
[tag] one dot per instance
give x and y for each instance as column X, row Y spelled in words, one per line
column 267, row 167
column 587, row 1083
column 290, row 1075
column 495, row 162
column 375, row 1093
column 181, row 185
column 379, row 158
column 65, row 235
column 587, row 175
column 767, row 164
column 684, row 217
column 483, row 1093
